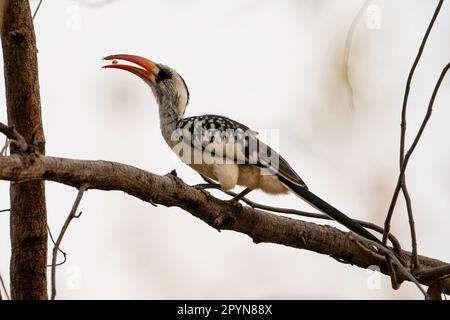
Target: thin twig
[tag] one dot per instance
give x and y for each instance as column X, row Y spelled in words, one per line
column 414, row 259
column 406, row 274
column 348, row 44
column 408, row 82
column 391, row 272
column 37, row 9
column 380, row 258
column 59, row 249
column 70, row 217
column 4, row 151
column 387, row 225
column 2, row 283
column 15, row 138
column 412, row 229
column 395, row 243
column 5, row 210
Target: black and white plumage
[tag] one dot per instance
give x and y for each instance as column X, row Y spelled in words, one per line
column 229, row 152
column 251, row 155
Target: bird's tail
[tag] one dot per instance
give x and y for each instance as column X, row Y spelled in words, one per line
column 329, row 210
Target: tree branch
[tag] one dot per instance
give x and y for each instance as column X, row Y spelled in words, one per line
column 434, row 273
column 168, row 190
column 395, row 243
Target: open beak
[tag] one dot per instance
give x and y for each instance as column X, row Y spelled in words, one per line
column 147, row 69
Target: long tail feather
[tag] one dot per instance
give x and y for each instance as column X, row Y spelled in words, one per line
column 329, row 210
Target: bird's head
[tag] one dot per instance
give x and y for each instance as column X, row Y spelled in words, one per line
column 167, row 85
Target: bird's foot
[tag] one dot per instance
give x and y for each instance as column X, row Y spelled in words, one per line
column 203, row 186
column 172, row 173
column 152, row 203
column 240, row 196
column 234, row 201
column 237, row 205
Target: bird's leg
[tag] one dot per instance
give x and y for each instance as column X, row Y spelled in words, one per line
column 210, row 184
column 241, row 195
column 236, row 198
column 204, row 186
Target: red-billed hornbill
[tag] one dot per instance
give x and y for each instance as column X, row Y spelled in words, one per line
column 230, row 152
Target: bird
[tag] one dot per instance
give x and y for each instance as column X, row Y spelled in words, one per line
column 220, row 148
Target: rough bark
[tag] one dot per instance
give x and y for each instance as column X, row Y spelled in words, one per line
column 170, row 191
column 2, row 9
column 28, row 211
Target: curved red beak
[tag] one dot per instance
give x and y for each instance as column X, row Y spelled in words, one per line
column 147, row 71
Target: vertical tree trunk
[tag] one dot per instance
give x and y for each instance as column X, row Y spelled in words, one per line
column 28, row 266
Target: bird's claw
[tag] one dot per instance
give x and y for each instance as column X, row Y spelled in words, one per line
column 203, row 186
column 152, row 203
column 172, row 173
column 235, row 202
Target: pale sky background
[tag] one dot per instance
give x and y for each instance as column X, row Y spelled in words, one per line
column 272, row 65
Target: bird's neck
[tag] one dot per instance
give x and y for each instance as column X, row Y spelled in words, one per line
column 169, row 115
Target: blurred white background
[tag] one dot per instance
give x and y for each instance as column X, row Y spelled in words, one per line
column 272, row 65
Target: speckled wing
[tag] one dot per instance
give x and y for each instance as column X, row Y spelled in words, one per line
column 224, row 139
column 207, row 132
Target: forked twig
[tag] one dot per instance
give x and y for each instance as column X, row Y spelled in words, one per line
column 411, row 150
column 70, row 217
column 414, row 259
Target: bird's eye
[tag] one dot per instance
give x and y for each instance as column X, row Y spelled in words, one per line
column 163, row 74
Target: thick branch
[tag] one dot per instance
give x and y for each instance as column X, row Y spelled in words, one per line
column 170, row 191
column 434, row 273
